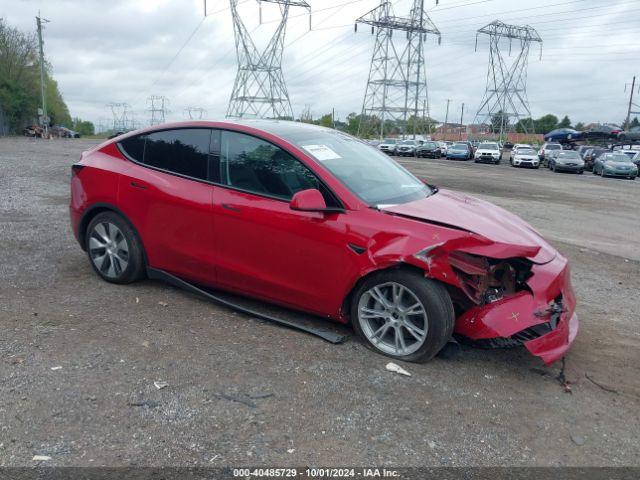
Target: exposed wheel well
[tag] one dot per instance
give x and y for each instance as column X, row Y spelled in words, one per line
column 97, row 209
column 346, row 303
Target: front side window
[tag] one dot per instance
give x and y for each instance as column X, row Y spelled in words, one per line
column 252, row 164
column 183, row 151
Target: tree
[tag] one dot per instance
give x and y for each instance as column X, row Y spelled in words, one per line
column 20, row 81
column 326, row 120
column 546, row 123
column 499, row 122
column 525, row 125
column 82, row 127
column 579, row 126
column 634, row 123
column 565, row 122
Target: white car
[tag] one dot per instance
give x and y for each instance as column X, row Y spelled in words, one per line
column 443, row 148
column 407, row 148
column 488, row 153
column 525, row 157
column 389, row 145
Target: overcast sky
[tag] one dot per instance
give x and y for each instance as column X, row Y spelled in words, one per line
column 124, row 51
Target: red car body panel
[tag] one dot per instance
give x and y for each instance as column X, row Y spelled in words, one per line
column 256, row 245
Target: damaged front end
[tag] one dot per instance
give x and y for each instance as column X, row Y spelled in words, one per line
column 507, row 301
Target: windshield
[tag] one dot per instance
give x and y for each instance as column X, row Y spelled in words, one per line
column 526, row 151
column 568, row 155
column 430, row 145
column 409, row 142
column 459, row 146
column 616, row 157
column 553, row 146
column 390, row 141
column 488, row 146
column 368, row 173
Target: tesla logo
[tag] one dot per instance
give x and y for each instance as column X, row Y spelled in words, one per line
column 514, row 316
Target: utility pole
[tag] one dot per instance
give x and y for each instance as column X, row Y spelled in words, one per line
column 461, row 120
column 43, row 89
column 446, row 118
column 631, row 105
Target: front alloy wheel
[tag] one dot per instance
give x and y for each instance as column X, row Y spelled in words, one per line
column 402, row 314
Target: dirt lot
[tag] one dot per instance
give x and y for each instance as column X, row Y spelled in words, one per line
column 244, row 392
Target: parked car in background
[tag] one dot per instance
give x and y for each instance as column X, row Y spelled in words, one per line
column 562, row 135
column 582, row 149
column 389, row 145
column 636, row 159
column 524, row 157
column 633, row 134
column 488, row 153
column 602, row 132
column 591, row 154
column 547, row 147
column 407, row 148
column 373, row 143
column 615, row 164
column 34, row 131
column 507, row 145
column 566, row 161
column 429, row 150
column 227, row 205
column 443, row 148
column 459, row 151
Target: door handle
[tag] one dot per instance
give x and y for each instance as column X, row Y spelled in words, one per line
column 138, row 185
column 228, row 206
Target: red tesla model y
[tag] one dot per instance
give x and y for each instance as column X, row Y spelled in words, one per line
column 316, row 220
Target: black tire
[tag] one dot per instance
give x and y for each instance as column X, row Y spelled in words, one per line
column 434, row 299
column 580, row 172
column 135, row 267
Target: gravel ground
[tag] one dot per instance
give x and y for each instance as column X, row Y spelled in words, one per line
column 79, row 357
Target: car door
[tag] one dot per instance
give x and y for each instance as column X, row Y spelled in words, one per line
column 265, row 248
column 167, row 195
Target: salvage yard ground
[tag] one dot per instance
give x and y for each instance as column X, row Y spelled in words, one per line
column 79, row 357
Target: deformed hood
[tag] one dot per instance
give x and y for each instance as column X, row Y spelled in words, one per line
column 482, row 218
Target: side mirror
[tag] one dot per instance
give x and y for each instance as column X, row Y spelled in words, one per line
column 310, row 200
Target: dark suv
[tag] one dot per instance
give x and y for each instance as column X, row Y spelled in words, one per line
column 429, row 150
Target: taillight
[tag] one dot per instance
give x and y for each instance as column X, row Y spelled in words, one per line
column 75, row 169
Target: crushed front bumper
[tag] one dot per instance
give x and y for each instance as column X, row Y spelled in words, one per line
column 543, row 320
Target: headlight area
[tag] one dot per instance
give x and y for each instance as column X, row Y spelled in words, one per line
column 486, row 280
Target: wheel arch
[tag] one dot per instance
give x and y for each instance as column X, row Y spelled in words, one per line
column 97, row 208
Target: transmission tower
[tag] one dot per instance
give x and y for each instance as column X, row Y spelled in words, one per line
column 157, row 109
column 259, row 89
column 397, row 85
column 120, row 113
column 195, row 113
column 506, row 95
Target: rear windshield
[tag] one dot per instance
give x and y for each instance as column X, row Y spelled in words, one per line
column 553, row 146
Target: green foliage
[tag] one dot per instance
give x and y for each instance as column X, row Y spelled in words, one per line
column 565, row 122
column 84, row 128
column 634, row 123
column 579, row 126
column 546, row 123
column 20, row 94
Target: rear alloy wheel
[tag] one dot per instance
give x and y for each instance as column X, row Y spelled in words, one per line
column 403, row 315
column 114, row 249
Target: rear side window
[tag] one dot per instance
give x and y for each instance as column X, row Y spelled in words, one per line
column 184, row 151
column 134, row 147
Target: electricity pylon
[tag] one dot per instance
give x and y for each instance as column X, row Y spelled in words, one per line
column 195, row 113
column 397, row 85
column 157, row 108
column 259, row 90
column 505, row 97
column 120, row 113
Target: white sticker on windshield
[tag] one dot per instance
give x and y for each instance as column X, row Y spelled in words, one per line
column 321, row 152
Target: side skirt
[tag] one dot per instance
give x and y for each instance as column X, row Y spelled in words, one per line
column 156, row 274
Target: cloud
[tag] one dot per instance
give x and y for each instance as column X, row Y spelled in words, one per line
column 123, row 51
